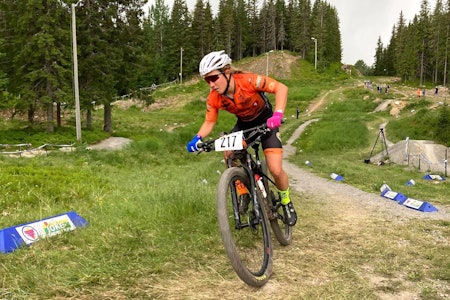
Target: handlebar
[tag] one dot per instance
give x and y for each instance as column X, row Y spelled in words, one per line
column 255, row 133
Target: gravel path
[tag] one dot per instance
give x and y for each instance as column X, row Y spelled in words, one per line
column 339, row 193
column 346, row 195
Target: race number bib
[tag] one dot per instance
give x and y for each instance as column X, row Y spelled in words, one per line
column 232, row 141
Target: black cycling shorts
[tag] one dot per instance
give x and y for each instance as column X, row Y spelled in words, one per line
column 269, row 140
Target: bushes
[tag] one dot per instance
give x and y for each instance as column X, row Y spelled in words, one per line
column 424, row 125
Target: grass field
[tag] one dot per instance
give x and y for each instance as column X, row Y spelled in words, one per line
column 153, row 231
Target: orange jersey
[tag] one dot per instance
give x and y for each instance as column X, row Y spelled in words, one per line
column 247, row 103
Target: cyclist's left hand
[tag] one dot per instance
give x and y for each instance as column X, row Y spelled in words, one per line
column 275, row 120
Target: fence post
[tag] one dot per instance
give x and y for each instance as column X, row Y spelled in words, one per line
column 446, row 162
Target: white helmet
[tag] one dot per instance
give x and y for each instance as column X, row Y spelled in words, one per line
column 214, row 61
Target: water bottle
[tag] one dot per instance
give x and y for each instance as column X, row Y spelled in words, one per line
column 260, row 184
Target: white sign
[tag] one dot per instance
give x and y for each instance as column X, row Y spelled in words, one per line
column 32, row 232
column 436, row 177
column 384, row 187
column 413, row 203
column 390, row 195
column 232, row 141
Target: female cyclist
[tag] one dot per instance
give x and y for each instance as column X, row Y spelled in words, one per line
column 242, row 94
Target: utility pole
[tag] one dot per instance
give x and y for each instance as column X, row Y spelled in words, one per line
column 315, row 52
column 421, row 62
column 267, row 62
column 446, row 59
column 181, row 65
column 75, row 73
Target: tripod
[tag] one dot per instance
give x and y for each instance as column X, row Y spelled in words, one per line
column 384, row 144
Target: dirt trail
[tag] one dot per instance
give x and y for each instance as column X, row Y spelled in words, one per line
column 304, row 181
column 345, row 216
column 334, row 218
column 318, row 104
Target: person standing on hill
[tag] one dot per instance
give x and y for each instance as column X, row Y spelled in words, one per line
column 242, row 94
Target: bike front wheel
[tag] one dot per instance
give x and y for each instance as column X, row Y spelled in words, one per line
column 244, row 229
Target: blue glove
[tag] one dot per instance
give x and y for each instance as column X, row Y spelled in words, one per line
column 192, row 145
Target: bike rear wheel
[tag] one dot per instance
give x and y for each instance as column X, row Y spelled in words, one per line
column 282, row 231
column 245, row 231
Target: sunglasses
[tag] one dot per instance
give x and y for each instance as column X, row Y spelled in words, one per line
column 212, row 78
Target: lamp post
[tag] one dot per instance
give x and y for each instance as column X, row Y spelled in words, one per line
column 75, row 72
column 267, row 62
column 181, row 65
column 315, row 52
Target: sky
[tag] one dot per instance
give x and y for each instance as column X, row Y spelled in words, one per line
column 362, row 22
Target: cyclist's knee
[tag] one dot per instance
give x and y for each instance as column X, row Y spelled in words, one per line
column 276, row 171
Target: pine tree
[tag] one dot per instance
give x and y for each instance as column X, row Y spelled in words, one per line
column 179, row 41
column 325, row 28
column 199, row 26
column 225, row 29
column 423, row 37
column 253, row 23
column 270, row 26
column 379, row 63
column 390, row 55
column 333, row 49
column 280, row 9
column 241, row 28
column 39, row 54
column 119, row 53
column 399, row 47
column 438, row 40
column 3, row 78
column 443, row 126
column 155, row 43
column 294, row 26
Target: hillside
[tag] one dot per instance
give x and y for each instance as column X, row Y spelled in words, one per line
column 153, row 231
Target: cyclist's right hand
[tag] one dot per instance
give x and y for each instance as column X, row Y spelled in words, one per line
column 192, row 146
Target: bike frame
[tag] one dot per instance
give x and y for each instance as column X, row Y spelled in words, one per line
column 250, row 165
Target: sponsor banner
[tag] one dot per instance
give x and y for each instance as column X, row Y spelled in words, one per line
column 413, row 203
column 32, row 232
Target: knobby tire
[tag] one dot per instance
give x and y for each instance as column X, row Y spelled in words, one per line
column 249, row 249
column 281, row 231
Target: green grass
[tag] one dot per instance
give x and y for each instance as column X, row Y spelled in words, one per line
column 152, row 218
column 343, row 137
column 424, row 124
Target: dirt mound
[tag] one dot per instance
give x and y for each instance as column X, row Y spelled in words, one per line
column 394, row 106
column 424, row 155
column 110, row 144
column 277, row 64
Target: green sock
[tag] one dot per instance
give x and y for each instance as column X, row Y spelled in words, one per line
column 284, row 196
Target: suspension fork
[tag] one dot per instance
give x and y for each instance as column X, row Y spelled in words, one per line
column 237, row 188
column 249, row 166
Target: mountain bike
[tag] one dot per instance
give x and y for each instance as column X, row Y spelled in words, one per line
column 247, row 203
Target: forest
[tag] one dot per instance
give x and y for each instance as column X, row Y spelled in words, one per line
column 418, row 50
column 124, row 50
column 121, row 49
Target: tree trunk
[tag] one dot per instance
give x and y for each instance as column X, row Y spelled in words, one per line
column 31, row 113
column 89, row 118
column 107, row 118
column 58, row 114
column 50, row 126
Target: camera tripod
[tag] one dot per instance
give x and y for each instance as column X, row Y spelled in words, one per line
column 383, row 145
